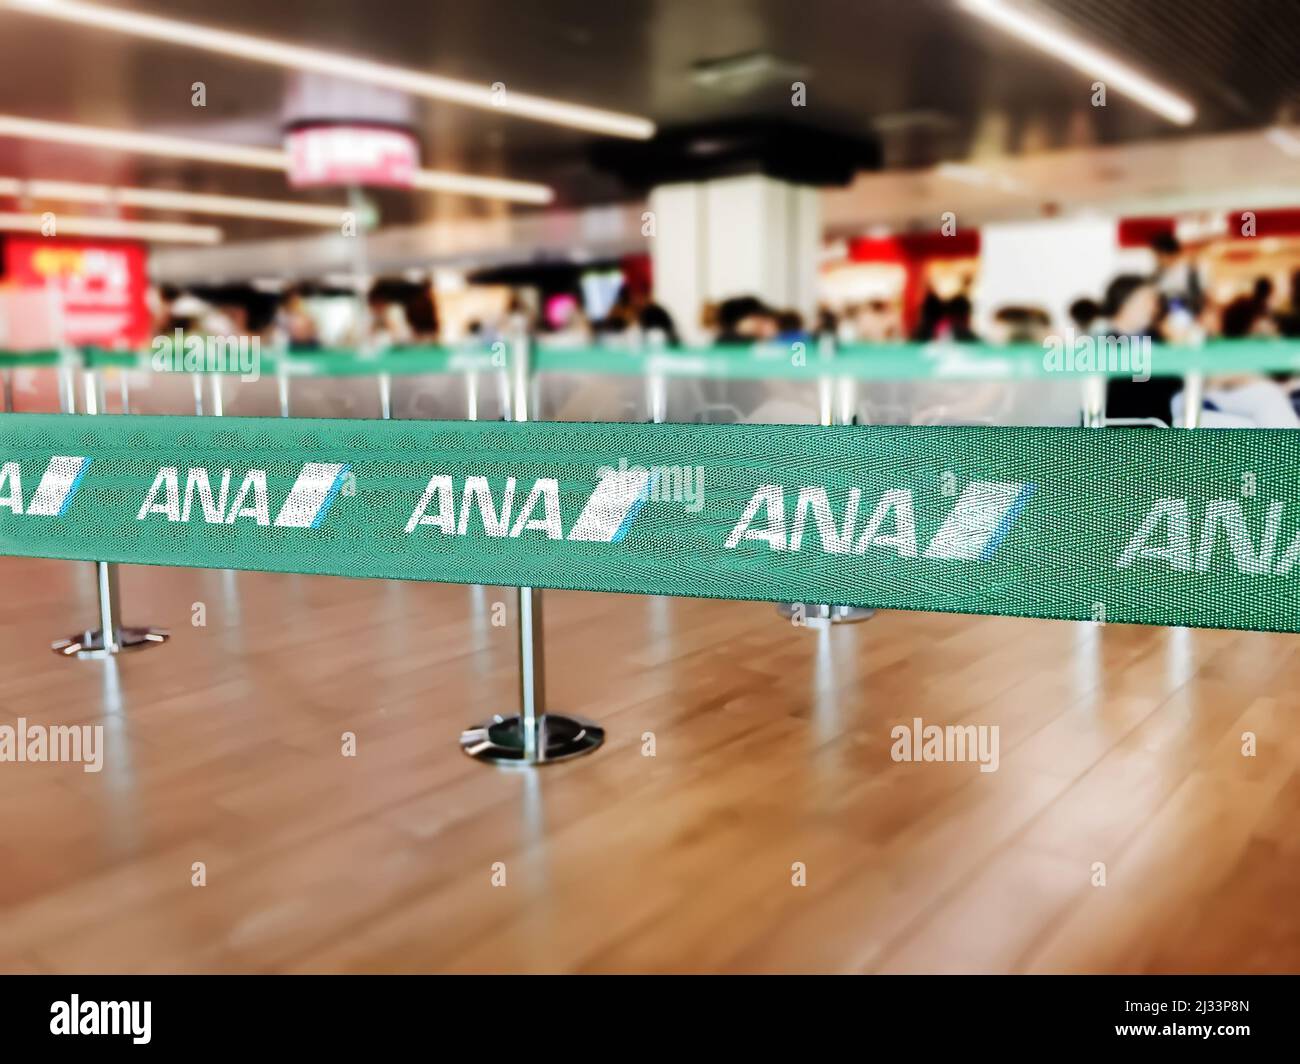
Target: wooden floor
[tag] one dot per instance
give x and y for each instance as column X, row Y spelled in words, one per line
column 1119, row 745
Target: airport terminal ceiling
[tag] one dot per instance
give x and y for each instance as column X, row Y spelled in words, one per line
column 939, row 85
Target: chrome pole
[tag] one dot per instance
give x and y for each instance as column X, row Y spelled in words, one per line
column 532, row 736
column 385, row 396
column 111, row 637
column 836, row 405
column 67, row 385
column 1094, row 401
column 471, row 396
column 656, row 391
column 1193, row 398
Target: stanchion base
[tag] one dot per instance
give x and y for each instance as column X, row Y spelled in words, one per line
column 91, row 644
column 819, row 614
column 500, row 741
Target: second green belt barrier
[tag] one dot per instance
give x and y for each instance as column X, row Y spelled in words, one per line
column 800, row 359
column 1170, row 528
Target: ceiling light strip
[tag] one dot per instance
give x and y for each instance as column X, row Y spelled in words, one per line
column 432, row 86
column 255, row 158
column 1084, row 57
column 67, row 225
column 166, row 199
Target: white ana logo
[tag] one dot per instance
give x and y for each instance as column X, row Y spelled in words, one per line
column 308, row 502
column 54, row 493
column 1166, row 537
column 605, row 518
column 103, row 1017
column 980, row 519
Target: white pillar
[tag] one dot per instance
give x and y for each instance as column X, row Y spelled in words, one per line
column 735, row 236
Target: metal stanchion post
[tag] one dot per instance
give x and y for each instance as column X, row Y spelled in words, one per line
column 385, row 396
column 197, row 378
column 1193, row 398
column 282, row 385
column 217, row 408
column 1094, row 401
column 532, row 736
column 836, row 402
column 656, row 389
column 471, row 396
column 67, row 383
column 111, row 637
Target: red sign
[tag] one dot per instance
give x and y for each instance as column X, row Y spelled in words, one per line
column 95, row 292
column 335, row 155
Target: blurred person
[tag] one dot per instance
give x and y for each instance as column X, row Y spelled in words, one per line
column 1177, row 278
column 945, row 321
column 251, row 313
column 1182, row 296
column 745, row 320
column 422, row 316
column 1244, row 400
column 877, row 321
column 568, row 325
column 1288, row 320
column 789, row 326
column 1132, row 308
column 1262, row 294
column 184, row 311
column 1246, row 317
column 298, row 323
column 1021, row 325
column 709, row 319
column 624, row 312
column 1085, row 314
column 828, row 323
column 657, row 326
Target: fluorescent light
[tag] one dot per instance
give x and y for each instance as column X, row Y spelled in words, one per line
column 142, row 143
column 161, row 232
column 488, row 187
column 167, row 200
column 244, row 46
column 1084, row 57
column 256, row 158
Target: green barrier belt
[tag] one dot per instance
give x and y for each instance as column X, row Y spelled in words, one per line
column 1169, row 528
column 961, row 362
column 796, row 360
column 396, row 361
column 28, row 359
